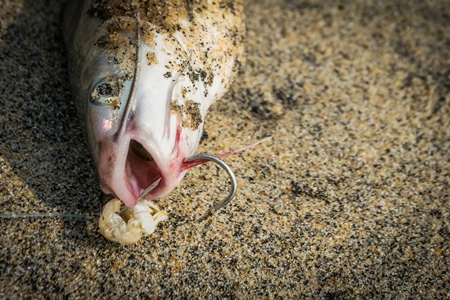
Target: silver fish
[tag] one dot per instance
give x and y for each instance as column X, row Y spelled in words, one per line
column 143, row 75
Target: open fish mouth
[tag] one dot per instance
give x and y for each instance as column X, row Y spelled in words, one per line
column 141, row 168
column 137, row 171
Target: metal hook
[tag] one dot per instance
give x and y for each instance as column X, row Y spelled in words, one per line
column 209, row 157
column 150, row 188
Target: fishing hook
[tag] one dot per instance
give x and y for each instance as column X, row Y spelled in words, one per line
column 203, row 157
column 232, row 193
column 150, row 188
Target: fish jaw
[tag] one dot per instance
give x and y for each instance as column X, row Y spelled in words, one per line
column 135, row 161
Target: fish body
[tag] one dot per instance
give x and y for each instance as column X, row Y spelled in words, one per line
column 143, row 75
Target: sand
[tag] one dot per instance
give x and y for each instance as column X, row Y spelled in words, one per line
column 349, row 200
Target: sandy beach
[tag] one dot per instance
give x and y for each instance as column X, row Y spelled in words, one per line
column 349, row 200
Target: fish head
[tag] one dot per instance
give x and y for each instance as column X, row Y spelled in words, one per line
column 145, row 111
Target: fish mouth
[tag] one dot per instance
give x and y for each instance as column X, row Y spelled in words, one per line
column 141, row 169
column 137, row 166
column 129, row 170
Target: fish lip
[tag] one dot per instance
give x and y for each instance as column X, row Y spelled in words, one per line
column 123, row 179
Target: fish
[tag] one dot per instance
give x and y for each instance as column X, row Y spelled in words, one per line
column 143, row 75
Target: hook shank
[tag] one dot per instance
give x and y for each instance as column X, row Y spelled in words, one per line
column 231, row 194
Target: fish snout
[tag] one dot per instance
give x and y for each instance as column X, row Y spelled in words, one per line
column 136, row 161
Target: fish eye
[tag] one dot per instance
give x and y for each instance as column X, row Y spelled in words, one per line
column 106, row 93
